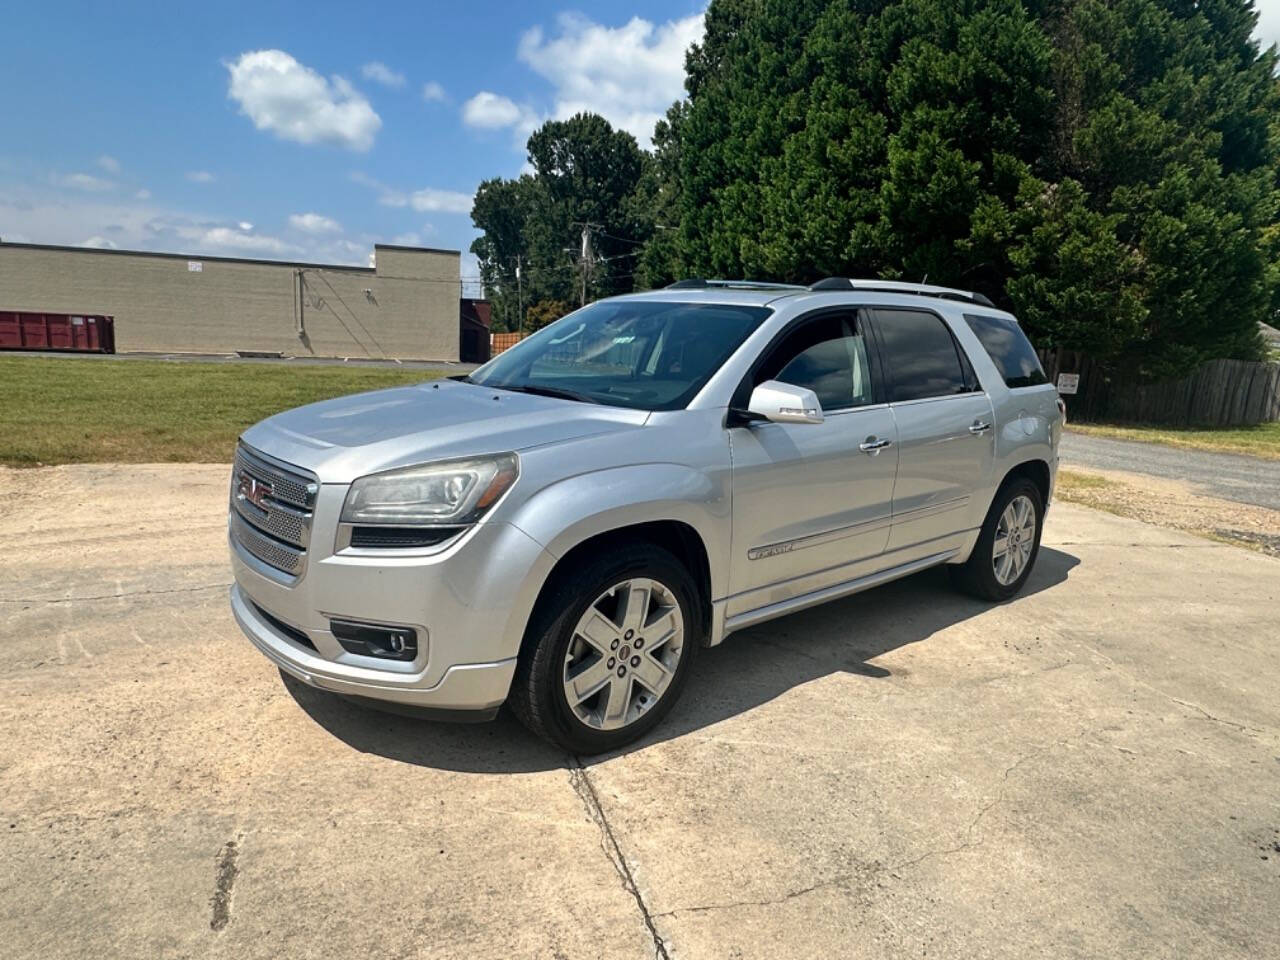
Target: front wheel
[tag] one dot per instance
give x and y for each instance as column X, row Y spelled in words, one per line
column 609, row 650
column 1007, row 547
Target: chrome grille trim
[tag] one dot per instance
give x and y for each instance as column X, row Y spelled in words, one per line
column 283, row 523
column 288, row 486
column 270, row 551
column 274, row 527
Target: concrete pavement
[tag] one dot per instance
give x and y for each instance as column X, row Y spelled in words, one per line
column 1090, row 770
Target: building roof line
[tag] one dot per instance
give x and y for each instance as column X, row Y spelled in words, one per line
column 217, row 259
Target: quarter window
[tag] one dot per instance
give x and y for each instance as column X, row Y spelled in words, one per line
column 1009, row 349
column 829, row 356
column 922, row 357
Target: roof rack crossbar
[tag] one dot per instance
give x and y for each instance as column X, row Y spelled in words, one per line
column 894, row 286
column 699, row 283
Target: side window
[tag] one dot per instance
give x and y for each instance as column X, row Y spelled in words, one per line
column 829, row 356
column 922, row 357
column 1009, row 349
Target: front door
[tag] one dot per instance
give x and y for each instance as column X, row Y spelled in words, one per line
column 809, row 502
column 946, row 432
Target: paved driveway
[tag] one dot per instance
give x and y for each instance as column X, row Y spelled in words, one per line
column 1249, row 480
column 1091, row 770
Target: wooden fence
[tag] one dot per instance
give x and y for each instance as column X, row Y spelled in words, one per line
column 503, row 341
column 1221, row 393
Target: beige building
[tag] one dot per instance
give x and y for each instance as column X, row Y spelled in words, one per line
column 405, row 307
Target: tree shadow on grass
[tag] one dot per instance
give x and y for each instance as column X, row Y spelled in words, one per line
column 749, row 669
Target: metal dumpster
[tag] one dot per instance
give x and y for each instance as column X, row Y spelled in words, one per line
column 80, row 332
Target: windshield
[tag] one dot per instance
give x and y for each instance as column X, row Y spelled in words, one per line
column 648, row 355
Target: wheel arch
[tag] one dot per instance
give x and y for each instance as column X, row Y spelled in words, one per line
column 1037, row 471
column 677, row 537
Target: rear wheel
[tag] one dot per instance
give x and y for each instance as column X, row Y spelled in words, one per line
column 1007, row 546
column 609, row 650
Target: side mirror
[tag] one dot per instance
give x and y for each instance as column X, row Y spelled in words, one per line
column 785, row 403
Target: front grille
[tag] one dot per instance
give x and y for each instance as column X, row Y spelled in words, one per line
column 271, row 507
column 270, row 551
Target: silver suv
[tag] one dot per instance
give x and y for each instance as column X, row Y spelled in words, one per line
column 566, row 526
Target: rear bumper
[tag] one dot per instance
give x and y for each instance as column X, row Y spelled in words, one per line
column 467, row 687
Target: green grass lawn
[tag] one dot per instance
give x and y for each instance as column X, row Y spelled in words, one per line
column 1259, row 441
column 81, row 410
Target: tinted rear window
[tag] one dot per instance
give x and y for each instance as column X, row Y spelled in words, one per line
column 1009, row 349
column 921, row 355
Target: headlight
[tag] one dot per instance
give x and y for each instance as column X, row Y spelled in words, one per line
column 449, row 492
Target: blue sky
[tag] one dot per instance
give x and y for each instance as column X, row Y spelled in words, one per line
column 309, row 131
column 303, row 131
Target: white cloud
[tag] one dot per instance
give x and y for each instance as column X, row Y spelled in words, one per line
column 294, row 102
column 109, row 164
column 442, row 201
column 41, row 215
column 629, row 74
column 314, row 223
column 200, row 176
column 1268, row 31
column 379, row 72
column 428, row 199
column 387, row 196
column 491, row 111
column 432, row 91
column 143, row 194
column 232, row 240
column 83, row 181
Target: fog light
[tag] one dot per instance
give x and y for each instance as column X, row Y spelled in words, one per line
column 375, row 640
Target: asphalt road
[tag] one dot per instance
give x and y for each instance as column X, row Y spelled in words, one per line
column 1230, row 477
column 1091, row 770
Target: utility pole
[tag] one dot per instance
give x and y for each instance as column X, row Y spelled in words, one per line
column 585, row 259
column 520, row 295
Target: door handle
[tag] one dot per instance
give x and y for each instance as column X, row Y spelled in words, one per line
column 873, row 446
column 979, row 427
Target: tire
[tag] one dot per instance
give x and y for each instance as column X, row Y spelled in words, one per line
column 981, row 575
column 559, row 660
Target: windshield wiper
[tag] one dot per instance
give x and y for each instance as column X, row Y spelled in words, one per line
column 556, row 392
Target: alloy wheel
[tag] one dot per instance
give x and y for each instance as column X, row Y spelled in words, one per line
column 1015, row 538
column 623, row 654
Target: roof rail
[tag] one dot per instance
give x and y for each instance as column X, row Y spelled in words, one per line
column 893, row 286
column 698, row 283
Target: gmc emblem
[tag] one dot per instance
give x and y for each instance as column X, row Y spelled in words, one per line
column 253, row 490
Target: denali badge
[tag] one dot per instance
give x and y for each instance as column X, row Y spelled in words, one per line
column 253, row 490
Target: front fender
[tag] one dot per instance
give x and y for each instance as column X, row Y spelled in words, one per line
column 570, row 511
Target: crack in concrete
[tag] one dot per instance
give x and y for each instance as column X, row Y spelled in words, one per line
column 846, row 878
column 773, row 901
column 224, row 882
column 119, row 596
column 1168, row 696
column 586, row 792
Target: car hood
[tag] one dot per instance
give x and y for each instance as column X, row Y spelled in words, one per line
column 348, row 437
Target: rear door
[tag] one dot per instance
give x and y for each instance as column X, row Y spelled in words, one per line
column 808, row 501
column 945, row 425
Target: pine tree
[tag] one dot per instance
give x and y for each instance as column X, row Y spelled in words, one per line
column 1107, row 168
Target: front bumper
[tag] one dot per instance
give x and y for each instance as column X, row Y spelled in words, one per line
column 468, row 603
column 465, row 688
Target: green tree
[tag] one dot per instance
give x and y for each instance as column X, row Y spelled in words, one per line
column 586, row 176
column 545, row 312
column 502, row 210
column 1108, row 168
